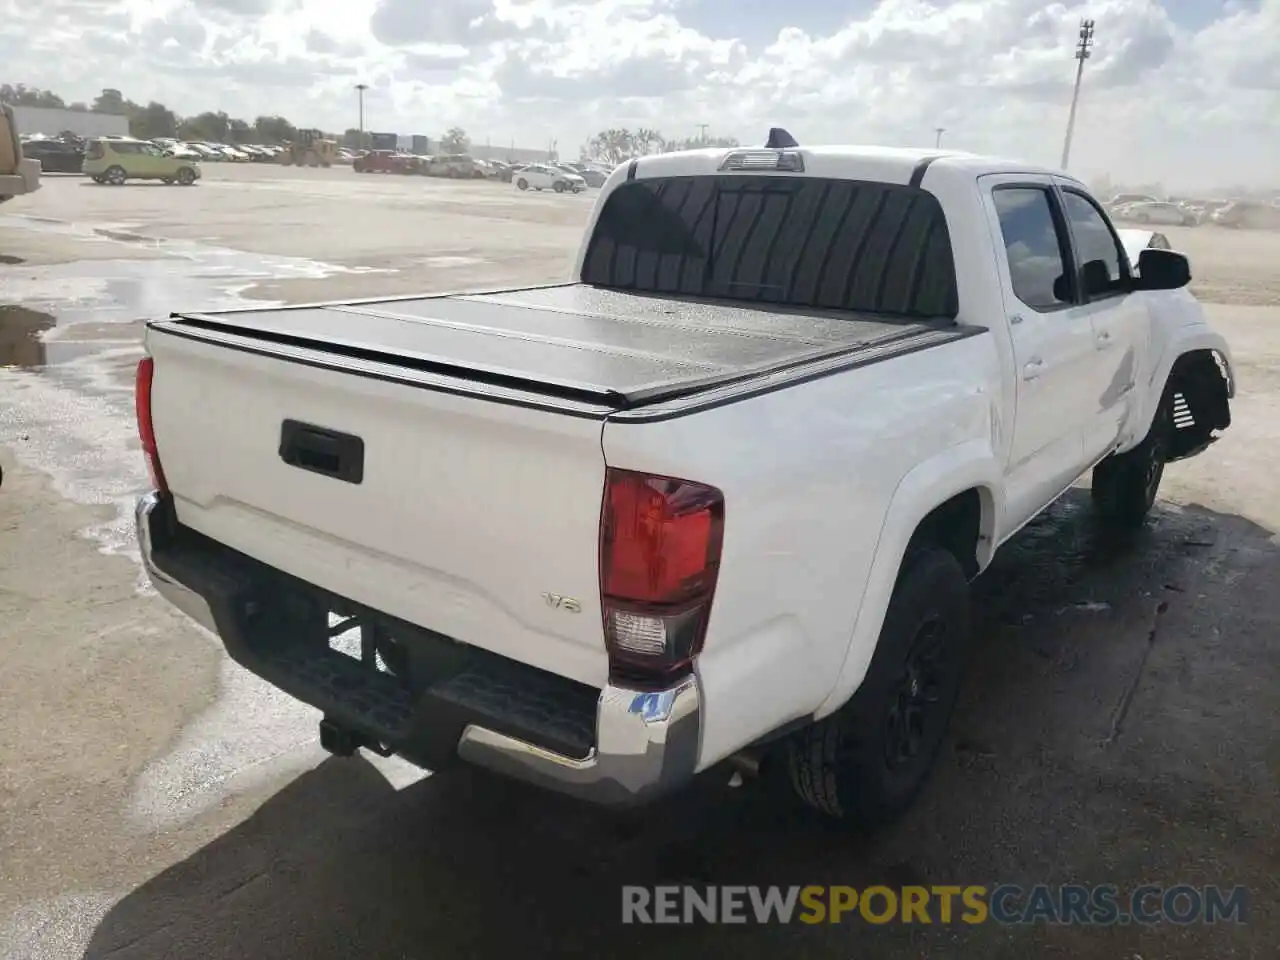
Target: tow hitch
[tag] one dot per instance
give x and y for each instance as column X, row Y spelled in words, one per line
column 344, row 742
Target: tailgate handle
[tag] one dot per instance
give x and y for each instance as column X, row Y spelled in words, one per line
column 326, row 452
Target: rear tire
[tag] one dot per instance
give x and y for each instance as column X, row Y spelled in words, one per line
column 1125, row 485
column 522, row 183
column 866, row 763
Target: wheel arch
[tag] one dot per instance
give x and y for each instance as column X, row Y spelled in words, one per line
column 1197, row 367
column 954, row 501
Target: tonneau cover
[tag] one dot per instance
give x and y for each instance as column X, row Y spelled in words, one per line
column 609, row 345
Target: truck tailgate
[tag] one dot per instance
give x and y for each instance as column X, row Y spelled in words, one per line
column 449, row 511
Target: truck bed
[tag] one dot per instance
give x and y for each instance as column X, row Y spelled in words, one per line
column 575, row 341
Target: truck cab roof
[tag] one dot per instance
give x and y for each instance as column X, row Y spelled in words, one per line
column 847, row 161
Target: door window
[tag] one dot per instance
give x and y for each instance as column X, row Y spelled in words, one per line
column 1100, row 259
column 1033, row 245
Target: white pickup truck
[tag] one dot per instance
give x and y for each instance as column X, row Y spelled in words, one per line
column 721, row 495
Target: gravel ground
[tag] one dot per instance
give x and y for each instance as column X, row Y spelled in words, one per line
column 1118, row 725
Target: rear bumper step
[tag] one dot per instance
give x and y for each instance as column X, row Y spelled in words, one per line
column 443, row 701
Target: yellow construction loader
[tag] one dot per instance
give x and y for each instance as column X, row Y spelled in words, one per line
column 310, row 149
column 18, row 175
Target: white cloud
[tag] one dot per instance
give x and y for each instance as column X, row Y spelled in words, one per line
column 1170, row 93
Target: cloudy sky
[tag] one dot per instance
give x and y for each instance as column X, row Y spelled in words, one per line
column 1187, row 91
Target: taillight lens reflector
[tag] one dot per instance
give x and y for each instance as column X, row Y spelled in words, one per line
column 660, row 544
column 146, row 428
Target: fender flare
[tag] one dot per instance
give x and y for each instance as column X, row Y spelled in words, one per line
column 1182, row 341
column 966, row 466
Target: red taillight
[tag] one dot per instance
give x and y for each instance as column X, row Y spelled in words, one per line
column 660, row 542
column 146, row 429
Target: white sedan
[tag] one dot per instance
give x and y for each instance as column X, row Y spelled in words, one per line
column 539, row 176
column 1156, row 211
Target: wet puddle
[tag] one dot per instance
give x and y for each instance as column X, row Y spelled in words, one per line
column 182, row 274
column 70, row 337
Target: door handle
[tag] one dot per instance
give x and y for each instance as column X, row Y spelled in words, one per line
column 1033, row 369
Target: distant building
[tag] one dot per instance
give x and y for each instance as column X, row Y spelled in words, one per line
column 509, row 154
column 53, row 122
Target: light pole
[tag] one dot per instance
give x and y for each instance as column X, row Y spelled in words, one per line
column 1082, row 54
column 937, row 140
column 360, row 89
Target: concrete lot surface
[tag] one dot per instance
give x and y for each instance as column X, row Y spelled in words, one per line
column 1119, row 723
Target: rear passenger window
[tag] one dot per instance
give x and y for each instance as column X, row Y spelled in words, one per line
column 1032, row 246
column 1099, row 256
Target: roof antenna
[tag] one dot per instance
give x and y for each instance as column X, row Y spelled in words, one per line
column 779, row 139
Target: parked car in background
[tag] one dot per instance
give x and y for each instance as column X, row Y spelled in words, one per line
column 234, row 154
column 183, row 151
column 55, row 156
column 206, row 152
column 459, row 166
column 1156, row 211
column 1122, row 199
column 1249, row 215
column 591, row 176
column 541, row 176
column 115, row 161
column 383, row 161
column 501, row 170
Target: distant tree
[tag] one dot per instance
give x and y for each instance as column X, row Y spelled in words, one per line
column 153, row 120
column 355, row 139
column 455, row 140
column 611, row 146
column 111, row 101
column 20, row 95
column 274, row 129
column 239, row 131
column 209, row 126
column 701, row 143
column 647, row 141
column 79, row 107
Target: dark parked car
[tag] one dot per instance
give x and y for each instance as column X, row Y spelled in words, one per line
column 55, row 156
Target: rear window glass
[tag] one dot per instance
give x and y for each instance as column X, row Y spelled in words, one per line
column 793, row 241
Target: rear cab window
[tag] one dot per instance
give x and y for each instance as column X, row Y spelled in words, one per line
column 804, row 242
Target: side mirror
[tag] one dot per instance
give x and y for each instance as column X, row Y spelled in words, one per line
column 1162, row 270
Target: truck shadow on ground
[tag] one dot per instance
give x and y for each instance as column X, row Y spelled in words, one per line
column 1038, row 777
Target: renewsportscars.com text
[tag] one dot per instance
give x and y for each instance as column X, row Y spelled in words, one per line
column 1070, row 904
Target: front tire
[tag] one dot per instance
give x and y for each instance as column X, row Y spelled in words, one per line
column 865, row 763
column 1125, row 485
column 115, row 176
column 186, row 176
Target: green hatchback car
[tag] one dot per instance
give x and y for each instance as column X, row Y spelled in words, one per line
column 115, row 161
